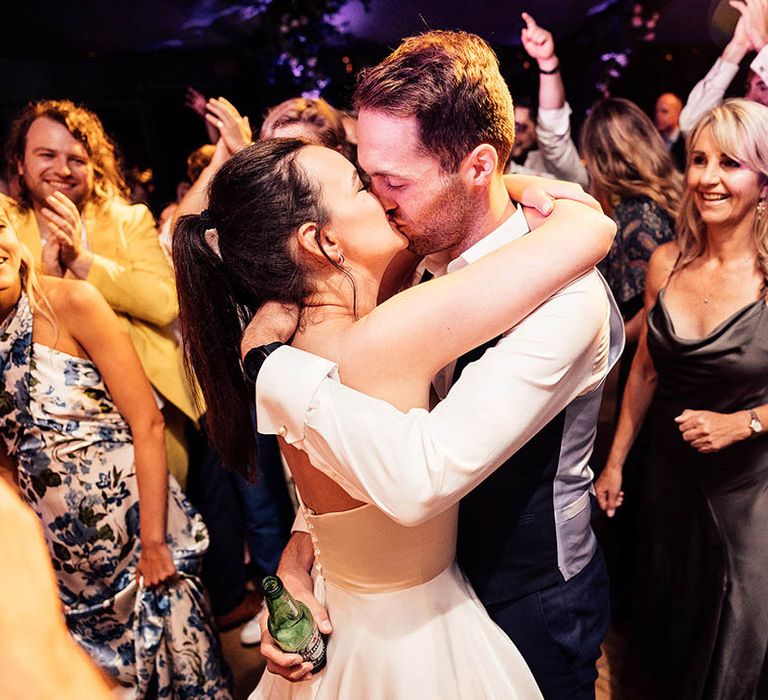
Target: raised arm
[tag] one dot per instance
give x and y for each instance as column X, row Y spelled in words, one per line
column 235, row 133
column 94, row 325
column 553, row 125
column 749, row 35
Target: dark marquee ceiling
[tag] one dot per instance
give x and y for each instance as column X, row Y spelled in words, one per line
column 104, row 25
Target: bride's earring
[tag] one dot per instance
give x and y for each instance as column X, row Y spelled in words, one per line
column 760, row 212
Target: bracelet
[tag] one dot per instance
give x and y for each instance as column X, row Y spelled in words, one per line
column 552, row 71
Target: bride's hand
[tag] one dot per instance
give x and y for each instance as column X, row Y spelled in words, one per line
column 539, row 193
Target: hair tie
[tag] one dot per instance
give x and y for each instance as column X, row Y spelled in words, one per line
column 211, row 235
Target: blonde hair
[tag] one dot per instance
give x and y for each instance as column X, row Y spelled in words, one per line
column 739, row 129
column 626, row 157
column 30, row 281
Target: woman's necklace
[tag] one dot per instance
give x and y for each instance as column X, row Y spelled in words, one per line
column 747, row 261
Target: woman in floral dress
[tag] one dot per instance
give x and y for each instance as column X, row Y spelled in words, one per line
column 81, row 426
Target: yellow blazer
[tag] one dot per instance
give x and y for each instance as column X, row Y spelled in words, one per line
column 130, row 270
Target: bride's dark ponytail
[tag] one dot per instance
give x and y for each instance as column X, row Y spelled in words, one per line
column 257, row 200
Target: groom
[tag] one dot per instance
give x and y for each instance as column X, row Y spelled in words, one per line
column 431, row 112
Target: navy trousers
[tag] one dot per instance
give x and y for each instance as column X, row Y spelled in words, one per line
column 559, row 630
column 233, row 510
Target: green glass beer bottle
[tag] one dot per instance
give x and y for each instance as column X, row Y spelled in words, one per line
column 291, row 624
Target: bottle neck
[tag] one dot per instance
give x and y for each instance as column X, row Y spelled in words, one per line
column 282, row 607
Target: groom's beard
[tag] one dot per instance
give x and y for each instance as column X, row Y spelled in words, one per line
column 444, row 222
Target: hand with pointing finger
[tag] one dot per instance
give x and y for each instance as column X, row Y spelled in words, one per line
column 538, row 43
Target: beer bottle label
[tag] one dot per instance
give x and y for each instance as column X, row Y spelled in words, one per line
column 314, row 650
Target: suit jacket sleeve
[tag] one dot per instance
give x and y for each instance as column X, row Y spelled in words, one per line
column 136, row 280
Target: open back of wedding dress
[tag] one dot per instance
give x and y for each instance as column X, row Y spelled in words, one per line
column 406, row 624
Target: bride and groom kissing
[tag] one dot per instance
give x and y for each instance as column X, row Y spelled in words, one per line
column 496, row 475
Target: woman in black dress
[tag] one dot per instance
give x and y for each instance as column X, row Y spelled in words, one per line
column 700, row 627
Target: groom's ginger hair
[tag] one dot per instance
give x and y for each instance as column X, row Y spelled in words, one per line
column 450, row 82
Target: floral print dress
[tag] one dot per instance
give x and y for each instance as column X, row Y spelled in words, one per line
column 74, row 454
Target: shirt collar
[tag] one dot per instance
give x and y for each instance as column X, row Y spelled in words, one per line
column 511, row 229
column 439, row 264
column 672, row 138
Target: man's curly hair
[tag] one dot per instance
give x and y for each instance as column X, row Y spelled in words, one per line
column 87, row 128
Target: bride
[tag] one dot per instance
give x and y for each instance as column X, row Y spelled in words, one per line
column 293, row 223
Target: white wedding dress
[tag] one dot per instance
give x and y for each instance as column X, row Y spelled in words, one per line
column 406, row 623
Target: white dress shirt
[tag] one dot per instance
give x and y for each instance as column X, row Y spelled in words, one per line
column 561, row 157
column 415, row 464
column 708, row 93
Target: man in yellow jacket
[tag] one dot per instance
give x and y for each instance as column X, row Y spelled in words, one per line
column 71, row 210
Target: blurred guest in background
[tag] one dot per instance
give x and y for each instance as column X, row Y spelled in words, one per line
column 667, row 120
column 750, row 34
column 634, row 178
column 141, row 184
column 196, row 163
column 312, row 119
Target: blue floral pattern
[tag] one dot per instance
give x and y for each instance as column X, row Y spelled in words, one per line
column 74, row 454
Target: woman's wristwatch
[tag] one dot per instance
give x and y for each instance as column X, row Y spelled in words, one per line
column 755, row 426
column 255, row 357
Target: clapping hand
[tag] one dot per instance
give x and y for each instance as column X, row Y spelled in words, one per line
column 234, row 129
column 51, row 263
column 66, row 226
column 196, row 101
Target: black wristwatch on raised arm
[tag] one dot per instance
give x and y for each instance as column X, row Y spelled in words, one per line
column 255, row 357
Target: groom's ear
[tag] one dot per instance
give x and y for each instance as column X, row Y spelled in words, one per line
column 478, row 168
